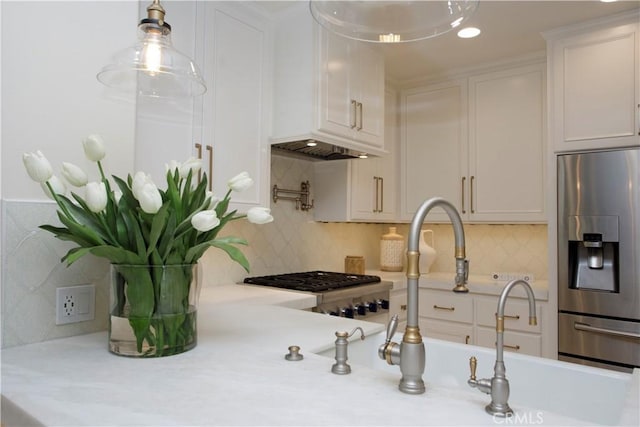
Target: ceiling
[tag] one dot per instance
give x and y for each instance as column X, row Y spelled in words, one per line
column 509, row 29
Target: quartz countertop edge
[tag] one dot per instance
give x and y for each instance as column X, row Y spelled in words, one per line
column 236, row 375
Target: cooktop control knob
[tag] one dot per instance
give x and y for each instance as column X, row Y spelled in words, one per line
column 384, row 304
column 373, row 306
column 361, row 309
column 348, row 312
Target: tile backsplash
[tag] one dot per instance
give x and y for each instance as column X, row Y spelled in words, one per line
column 31, row 268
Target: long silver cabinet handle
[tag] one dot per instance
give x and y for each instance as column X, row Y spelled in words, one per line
column 464, row 178
column 588, row 328
column 471, row 195
column 375, row 183
column 210, row 183
column 359, row 109
column 199, row 148
column 381, row 195
column 354, row 108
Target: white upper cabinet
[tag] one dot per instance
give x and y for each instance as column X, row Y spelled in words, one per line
column 594, row 84
column 360, row 189
column 507, row 145
column 228, row 126
column 235, row 120
column 433, row 147
column 326, row 87
column 479, row 143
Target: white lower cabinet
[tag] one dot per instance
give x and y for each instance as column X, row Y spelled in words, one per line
column 398, row 305
column 471, row 319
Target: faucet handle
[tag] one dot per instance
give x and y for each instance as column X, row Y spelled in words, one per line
column 391, row 328
column 473, row 364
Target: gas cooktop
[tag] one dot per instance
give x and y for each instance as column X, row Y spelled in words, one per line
column 313, row 281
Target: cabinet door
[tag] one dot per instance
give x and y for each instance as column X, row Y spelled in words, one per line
column 368, row 90
column 506, row 145
column 338, row 105
column 433, row 146
column 235, row 119
column 515, row 342
column 595, row 88
column 447, row 331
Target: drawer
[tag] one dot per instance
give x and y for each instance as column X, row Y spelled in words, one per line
column 516, row 315
column 398, row 304
column 516, row 342
column 446, row 306
column 447, row 331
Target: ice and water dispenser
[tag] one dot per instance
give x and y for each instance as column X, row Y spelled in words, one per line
column 593, row 253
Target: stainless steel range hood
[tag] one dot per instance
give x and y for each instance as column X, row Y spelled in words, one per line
column 315, row 150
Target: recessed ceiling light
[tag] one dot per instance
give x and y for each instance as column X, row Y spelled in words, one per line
column 608, row 1
column 468, row 32
column 311, row 143
column 363, row 156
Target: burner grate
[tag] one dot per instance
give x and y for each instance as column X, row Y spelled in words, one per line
column 313, row 281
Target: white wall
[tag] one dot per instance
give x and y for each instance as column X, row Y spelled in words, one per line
column 51, row 99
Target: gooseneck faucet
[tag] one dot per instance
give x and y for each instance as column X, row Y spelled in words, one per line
column 410, row 354
column 498, row 386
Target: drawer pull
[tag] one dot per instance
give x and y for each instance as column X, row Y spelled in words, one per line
column 437, row 307
column 512, row 347
column 506, row 316
column 466, row 339
column 403, row 307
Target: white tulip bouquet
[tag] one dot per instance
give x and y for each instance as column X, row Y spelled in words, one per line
column 142, row 230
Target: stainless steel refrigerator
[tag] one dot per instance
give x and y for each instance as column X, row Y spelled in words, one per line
column 599, row 258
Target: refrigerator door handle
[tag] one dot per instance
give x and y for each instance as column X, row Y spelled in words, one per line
column 588, row 328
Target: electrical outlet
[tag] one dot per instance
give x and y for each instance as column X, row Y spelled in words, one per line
column 75, row 304
column 506, row 277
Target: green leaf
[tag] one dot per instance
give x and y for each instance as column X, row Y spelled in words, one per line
column 157, row 226
column 84, row 232
column 194, row 253
column 118, row 255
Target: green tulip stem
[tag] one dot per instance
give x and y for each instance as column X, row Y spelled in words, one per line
column 57, row 200
column 101, row 170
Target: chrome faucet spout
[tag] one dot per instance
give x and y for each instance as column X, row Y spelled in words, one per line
column 410, row 354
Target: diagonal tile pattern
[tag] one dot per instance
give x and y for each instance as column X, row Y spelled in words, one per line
column 31, row 268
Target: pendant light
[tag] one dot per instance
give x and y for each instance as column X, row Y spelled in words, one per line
column 391, row 21
column 153, row 67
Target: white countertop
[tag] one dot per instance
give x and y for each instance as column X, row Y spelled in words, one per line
column 237, row 375
column 477, row 284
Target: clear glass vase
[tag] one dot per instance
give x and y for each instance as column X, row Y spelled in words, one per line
column 153, row 309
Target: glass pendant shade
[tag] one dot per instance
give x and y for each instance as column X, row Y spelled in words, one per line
column 153, row 67
column 391, row 21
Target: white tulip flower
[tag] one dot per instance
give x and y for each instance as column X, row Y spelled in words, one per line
column 74, row 174
column 205, row 220
column 96, row 196
column 149, row 198
column 38, row 167
column 172, row 166
column 259, row 215
column 57, row 184
column 140, row 179
column 192, row 164
column 94, row 147
column 240, row 182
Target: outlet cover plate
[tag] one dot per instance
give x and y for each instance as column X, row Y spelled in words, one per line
column 75, row 304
